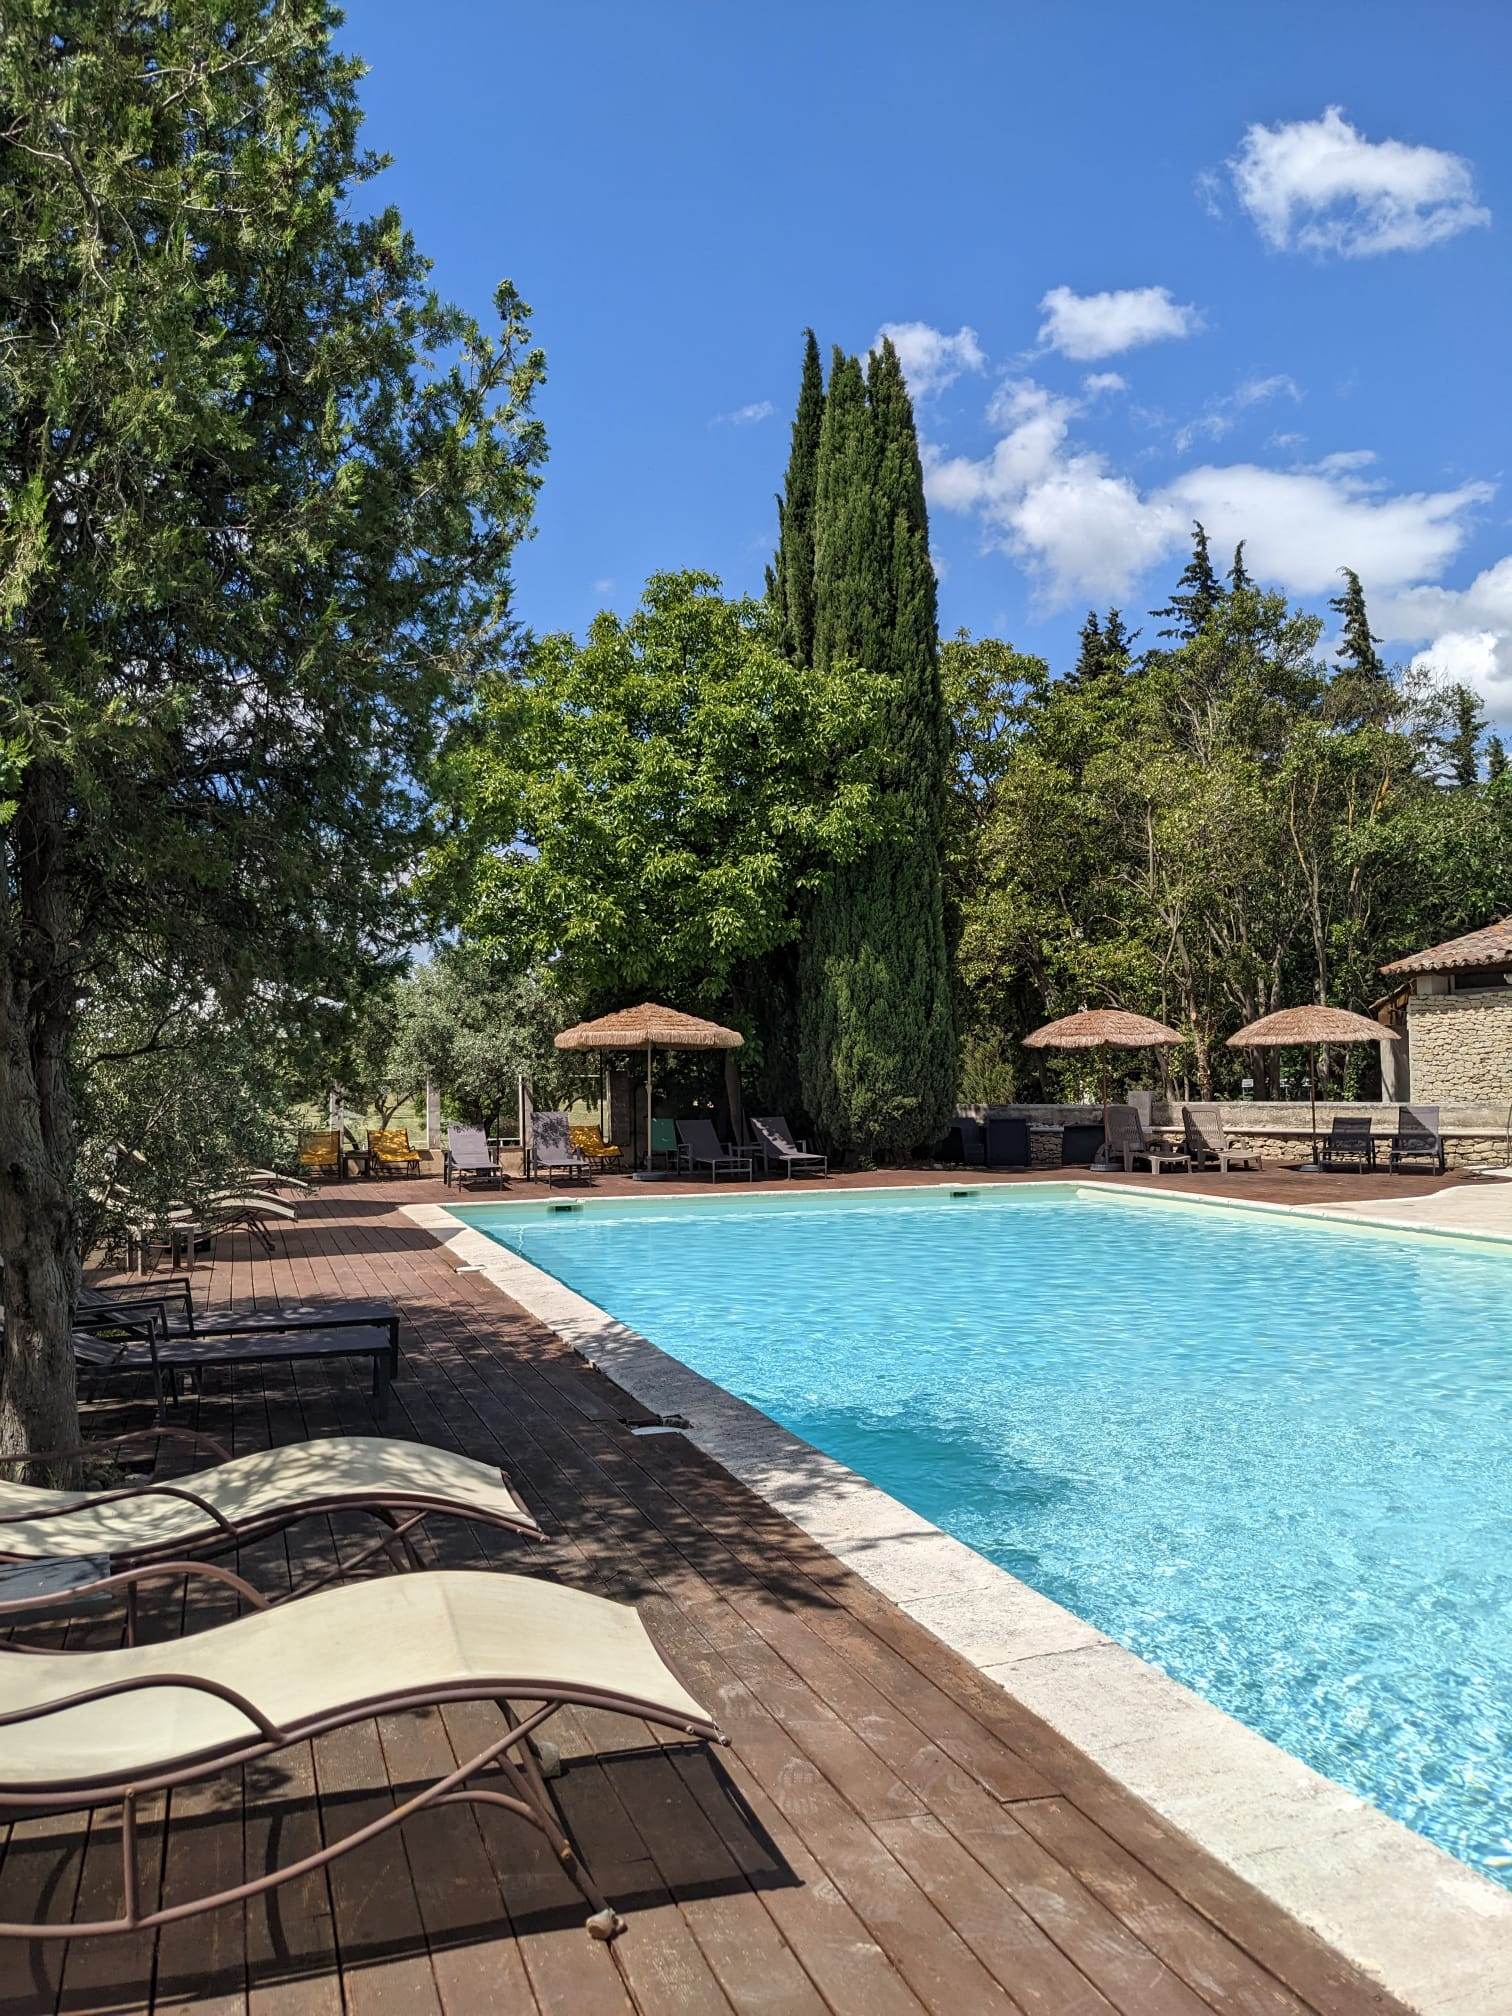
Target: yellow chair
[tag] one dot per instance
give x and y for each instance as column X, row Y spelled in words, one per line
column 390, row 1152
column 319, row 1152
column 590, row 1141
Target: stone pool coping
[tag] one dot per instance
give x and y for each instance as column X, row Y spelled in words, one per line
column 1429, row 1929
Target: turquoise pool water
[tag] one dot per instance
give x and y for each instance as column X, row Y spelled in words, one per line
column 1273, row 1458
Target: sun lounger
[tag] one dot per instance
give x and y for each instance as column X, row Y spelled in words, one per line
column 551, row 1151
column 118, row 1344
column 390, row 1152
column 1417, row 1139
column 589, row 1141
column 1349, row 1143
column 1128, row 1143
column 1207, row 1142
column 701, row 1148
column 470, row 1159
column 170, row 1299
column 87, row 1730
column 774, row 1142
column 210, row 1512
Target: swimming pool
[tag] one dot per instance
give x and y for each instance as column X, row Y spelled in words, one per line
column 1272, row 1457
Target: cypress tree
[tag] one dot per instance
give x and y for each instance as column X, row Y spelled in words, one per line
column 1496, row 758
column 1198, row 592
column 877, row 1030
column 790, row 579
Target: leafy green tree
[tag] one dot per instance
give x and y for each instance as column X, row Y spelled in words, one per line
column 876, row 1013
column 792, row 573
column 1462, row 744
column 259, row 490
column 1197, row 594
column 475, row 1030
column 649, row 808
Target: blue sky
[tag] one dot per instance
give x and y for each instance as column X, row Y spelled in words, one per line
column 1140, row 268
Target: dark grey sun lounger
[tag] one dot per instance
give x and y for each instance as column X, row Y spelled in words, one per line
column 552, row 1152
column 1417, row 1139
column 470, row 1159
column 700, row 1148
column 135, row 1342
column 215, row 1702
column 1349, row 1143
column 774, row 1143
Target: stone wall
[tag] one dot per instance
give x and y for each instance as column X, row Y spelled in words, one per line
column 1459, row 1046
column 1488, row 1117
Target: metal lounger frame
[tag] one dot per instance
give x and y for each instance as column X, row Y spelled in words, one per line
column 227, row 1534
column 528, row 1795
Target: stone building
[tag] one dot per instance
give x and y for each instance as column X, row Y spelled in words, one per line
column 1455, row 1003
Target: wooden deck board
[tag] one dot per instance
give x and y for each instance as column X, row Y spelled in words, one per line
column 888, row 1833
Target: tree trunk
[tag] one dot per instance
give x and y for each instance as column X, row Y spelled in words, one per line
column 38, row 1405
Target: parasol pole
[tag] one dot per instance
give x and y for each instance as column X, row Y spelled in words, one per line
column 647, row 1163
column 1103, row 1049
column 1312, row 1086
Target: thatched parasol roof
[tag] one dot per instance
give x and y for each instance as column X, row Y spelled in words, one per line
column 649, row 1025
column 1311, row 1024
column 1102, row 1028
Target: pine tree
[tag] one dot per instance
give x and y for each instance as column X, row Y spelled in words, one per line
column 877, row 1032
column 1357, row 642
column 790, row 579
column 1496, row 758
column 1239, row 575
column 1118, row 642
column 1089, row 655
column 1462, row 743
column 1362, row 691
column 1198, row 592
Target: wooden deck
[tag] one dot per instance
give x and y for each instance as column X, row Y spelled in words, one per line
column 888, row 1832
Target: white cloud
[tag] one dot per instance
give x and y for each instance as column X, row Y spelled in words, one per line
column 1082, row 527
column 1096, row 383
column 1218, row 417
column 605, row 584
column 1301, row 525
column 1467, row 631
column 1318, row 185
column 745, row 416
column 1089, row 326
column 932, row 360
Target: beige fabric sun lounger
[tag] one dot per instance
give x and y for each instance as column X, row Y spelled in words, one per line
column 210, row 1512
column 93, row 1729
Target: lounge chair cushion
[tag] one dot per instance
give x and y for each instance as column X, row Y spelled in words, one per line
column 346, row 1652
column 329, row 1473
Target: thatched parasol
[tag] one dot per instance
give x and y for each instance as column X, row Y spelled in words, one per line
column 1103, row 1029
column 1311, row 1026
column 649, row 1027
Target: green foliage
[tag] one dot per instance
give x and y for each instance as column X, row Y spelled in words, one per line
column 1462, row 743
column 1198, row 593
column 649, row 807
column 793, row 568
column 1208, row 841
column 876, row 1017
column 475, row 1031
column 259, row 490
